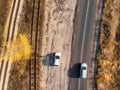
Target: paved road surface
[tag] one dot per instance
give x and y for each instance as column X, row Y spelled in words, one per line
column 82, row 40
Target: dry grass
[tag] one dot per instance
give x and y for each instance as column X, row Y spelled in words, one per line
column 4, row 10
column 108, row 77
column 1, row 36
column 18, row 49
column 18, row 79
column 25, row 19
column 19, row 76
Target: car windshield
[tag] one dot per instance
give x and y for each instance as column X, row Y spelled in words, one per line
column 57, row 57
column 83, row 68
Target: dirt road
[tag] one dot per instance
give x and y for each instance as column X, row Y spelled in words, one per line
column 10, row 33
column 58, row 29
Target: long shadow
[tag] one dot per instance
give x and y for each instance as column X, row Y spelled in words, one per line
column 48, row 60
column 74, row 72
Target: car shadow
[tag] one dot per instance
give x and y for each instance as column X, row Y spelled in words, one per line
column 48, row 60
column 74, row 72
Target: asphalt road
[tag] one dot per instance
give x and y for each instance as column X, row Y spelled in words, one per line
column 82, row 41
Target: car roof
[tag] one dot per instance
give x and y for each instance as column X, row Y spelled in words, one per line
column 84, row 72
column 83, row 65
column 58, row 54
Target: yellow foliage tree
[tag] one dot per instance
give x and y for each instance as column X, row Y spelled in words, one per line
column 18, row 49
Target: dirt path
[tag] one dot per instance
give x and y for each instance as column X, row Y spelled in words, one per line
column 58, row 29
column 14, row 16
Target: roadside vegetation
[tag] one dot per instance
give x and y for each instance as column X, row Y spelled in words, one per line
column 108, row 74
column 19, row 78
column 4, row 10
column 1, row 37
column 20, row 70
column 18, row 49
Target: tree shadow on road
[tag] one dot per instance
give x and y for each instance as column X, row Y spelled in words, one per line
column 74, row 72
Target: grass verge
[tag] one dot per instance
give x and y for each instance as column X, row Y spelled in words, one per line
column 4, row 11
column 108, row 76
column 19, row 72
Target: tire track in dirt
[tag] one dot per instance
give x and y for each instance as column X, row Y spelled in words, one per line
column 34, row 76
column 12, row 31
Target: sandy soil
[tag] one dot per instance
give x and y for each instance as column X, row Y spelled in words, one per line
column 57, row 36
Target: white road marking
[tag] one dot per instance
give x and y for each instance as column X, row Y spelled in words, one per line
column 86, row 16
column 84, row 30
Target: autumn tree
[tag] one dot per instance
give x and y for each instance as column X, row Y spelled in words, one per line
column 18, row 49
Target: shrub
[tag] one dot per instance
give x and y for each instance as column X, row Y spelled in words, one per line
column 18, row 49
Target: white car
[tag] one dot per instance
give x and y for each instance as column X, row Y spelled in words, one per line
column 57, row 59
column 83, row 70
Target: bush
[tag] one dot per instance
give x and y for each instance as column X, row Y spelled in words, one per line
column 18, row 49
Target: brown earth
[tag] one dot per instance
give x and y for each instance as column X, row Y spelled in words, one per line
column 18, row 79
column 59, row 14
column 108, row 76
column 58, row 30
column 4, row 11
